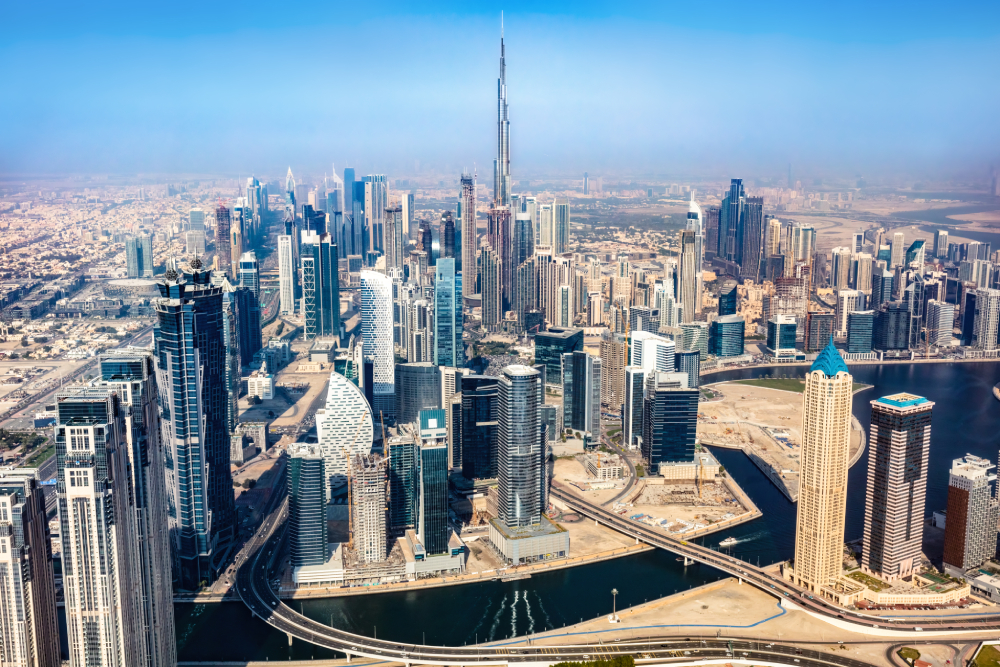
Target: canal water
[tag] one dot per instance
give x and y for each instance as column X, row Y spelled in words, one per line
column 966, row 420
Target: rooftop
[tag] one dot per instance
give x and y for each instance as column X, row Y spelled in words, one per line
column 829, row 361
column 902, row 400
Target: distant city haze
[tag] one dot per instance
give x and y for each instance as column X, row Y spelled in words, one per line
column 409, row 89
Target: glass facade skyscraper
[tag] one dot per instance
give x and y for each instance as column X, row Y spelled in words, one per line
column 670, row 419
column 523, row 483
column 726, row 336
column 434, row 531
column 551, row 345
column 307, row 506
column 404, row 484
column 320, row 285
column 449, row 349
column 191, row 376
column 139, row 256
column 478, row 436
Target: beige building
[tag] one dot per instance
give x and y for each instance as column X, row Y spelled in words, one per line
column 826, row 436
column 613, row 362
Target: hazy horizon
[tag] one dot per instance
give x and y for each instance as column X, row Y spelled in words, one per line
column 253, row 87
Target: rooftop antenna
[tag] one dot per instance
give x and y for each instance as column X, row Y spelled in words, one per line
column 501, row 24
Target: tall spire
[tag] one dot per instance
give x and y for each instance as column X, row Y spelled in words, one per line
column 501, row 166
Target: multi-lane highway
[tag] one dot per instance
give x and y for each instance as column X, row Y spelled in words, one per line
column 255, row 590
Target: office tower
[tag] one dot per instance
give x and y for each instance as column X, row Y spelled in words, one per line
column 102, row 580
column 447, row 234
column 191, row 375
column 848, row 301
column 552, row 344
column 710, row 223
column 408, row 209
column 613, row 361
column 635, row 392
column 581, row 382
column 196, row 220
column 286, row 275
column 434, row 530
column 195, row 242
column 449, row 349
column 344, row 428
column 968, row 317
column 987, row 316
column 695, row 336
column 132, row 374
column 523, row 488
column 730, row 223
column 970, row 532
column 860, row 331
column 586, row 183
column 687, row 278
column 291, row 208
column 499, row 238
column 892, row 327
column 728, row 298
column 403, row 469
column 940, row 242
column 563, row 315
column 223, row 239
column 773, row 231
column 522, row 239
column 781, row 335
column 501, row 165
column 725, row 337
column 490, row 281
column 915, row 254
column 651, row 351
column 753, row 239
column 820, row 327
column 689, row 362
column 863, row 272
column 561, row 227
column 358, row 233
column 320, row 285
column 139, row 256
column 840, row 272
column 546, row 225
column 231, row 338
column 479, row 427
column 800, row 244
column 940, row 322
column 469, row 234
column 307, row 506
column 376, row 200
column 369, row 516
column 250, row 273
column 417, row 387
column 898, row 251
column 376, row 336
column 392, row 242
column 898, row 446
column 248, row 332
column 881, row 288
column 826, row 437
column 28, row 621
column 695, row 224
column 669, row 419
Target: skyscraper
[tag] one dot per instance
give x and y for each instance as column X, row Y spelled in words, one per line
column 986, row 325
column 560, row 227
column 651, row 351
column 499, row 235
column 581, row 382
column 898, row 250
column 635, row 393
column 403, row 469
column 753, row 239
column 376, row 337
column 940, row 322
column 479, row 427
column 860, row 331
column 320, row 285
column 469, row 235
column 523, row 488
column 726, row 336
column 250, row 273
column 730, row 223
column 434, row 530
column 970, row 532
column 28, row 621
column 408, row 209
column 376, row 200
column 826, row 436
column 286, row 275
column 393, row 242
column 139, row 256
column 899, row 442
column 669, row 419
column 223, row 240
column 687, row 278
column 940, row 243
column 613, row 362
column 501, row 165
column 100, row 554
column 368, row 508
column 689, row 361
column 417, row 387
column 728, row 298
column 191, row 375
column 307, row 506
column 449, row 349
column 344, row 428
column 491, row 288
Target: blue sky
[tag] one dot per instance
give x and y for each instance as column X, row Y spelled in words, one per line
column 701, row 89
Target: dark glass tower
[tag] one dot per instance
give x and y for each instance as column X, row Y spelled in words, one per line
column 404, row 484
column 670, row 418
column 191, row 375
column 479, row 427
column 320, row 285
column 449, row 350
column 434, row 531
column 728, row 298
column 730, row 223
column 307, row 507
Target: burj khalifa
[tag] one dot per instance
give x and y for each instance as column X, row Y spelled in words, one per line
column 501, row 165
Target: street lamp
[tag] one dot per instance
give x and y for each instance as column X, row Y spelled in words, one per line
column 614, row 599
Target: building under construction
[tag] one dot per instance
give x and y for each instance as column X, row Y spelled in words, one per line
column 369, row 516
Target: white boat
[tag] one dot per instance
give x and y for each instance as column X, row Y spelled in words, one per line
column 728, row 542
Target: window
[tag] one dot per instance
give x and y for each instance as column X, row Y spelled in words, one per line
column 79, row 439
column 79, row 478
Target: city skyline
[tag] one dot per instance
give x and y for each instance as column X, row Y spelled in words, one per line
column 569, row 74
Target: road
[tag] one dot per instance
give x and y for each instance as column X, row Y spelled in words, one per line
column 254, row 589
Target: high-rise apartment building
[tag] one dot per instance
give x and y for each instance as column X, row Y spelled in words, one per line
column 320, row 285
column 581, row 381
column 651, row 351
column 730, row 238
column 28, row 615
column 376, row 200
column 449, row 349
column 196, row 220
column 491, row 288
column 393, row 242
column 469, row 234
column 940, row 243
column 687, row 275
column 560, row 227
column 223, row 240
column 753, row 239
column 191, row 367
column 286, row 275
column 840, row 272
column 970, row 532
column 344, row 428
column 987, row 320
column 523, row 482
column 408, row 213
column 695, row 336
column 368, row 508
column 898, row 446
column 377, row 340
column 307, row 536
column 940, row 322
column 250, row 273
column 689, row 362
column 848, row 301
column 826, row 436
column 898, row 255
column 613, row 362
